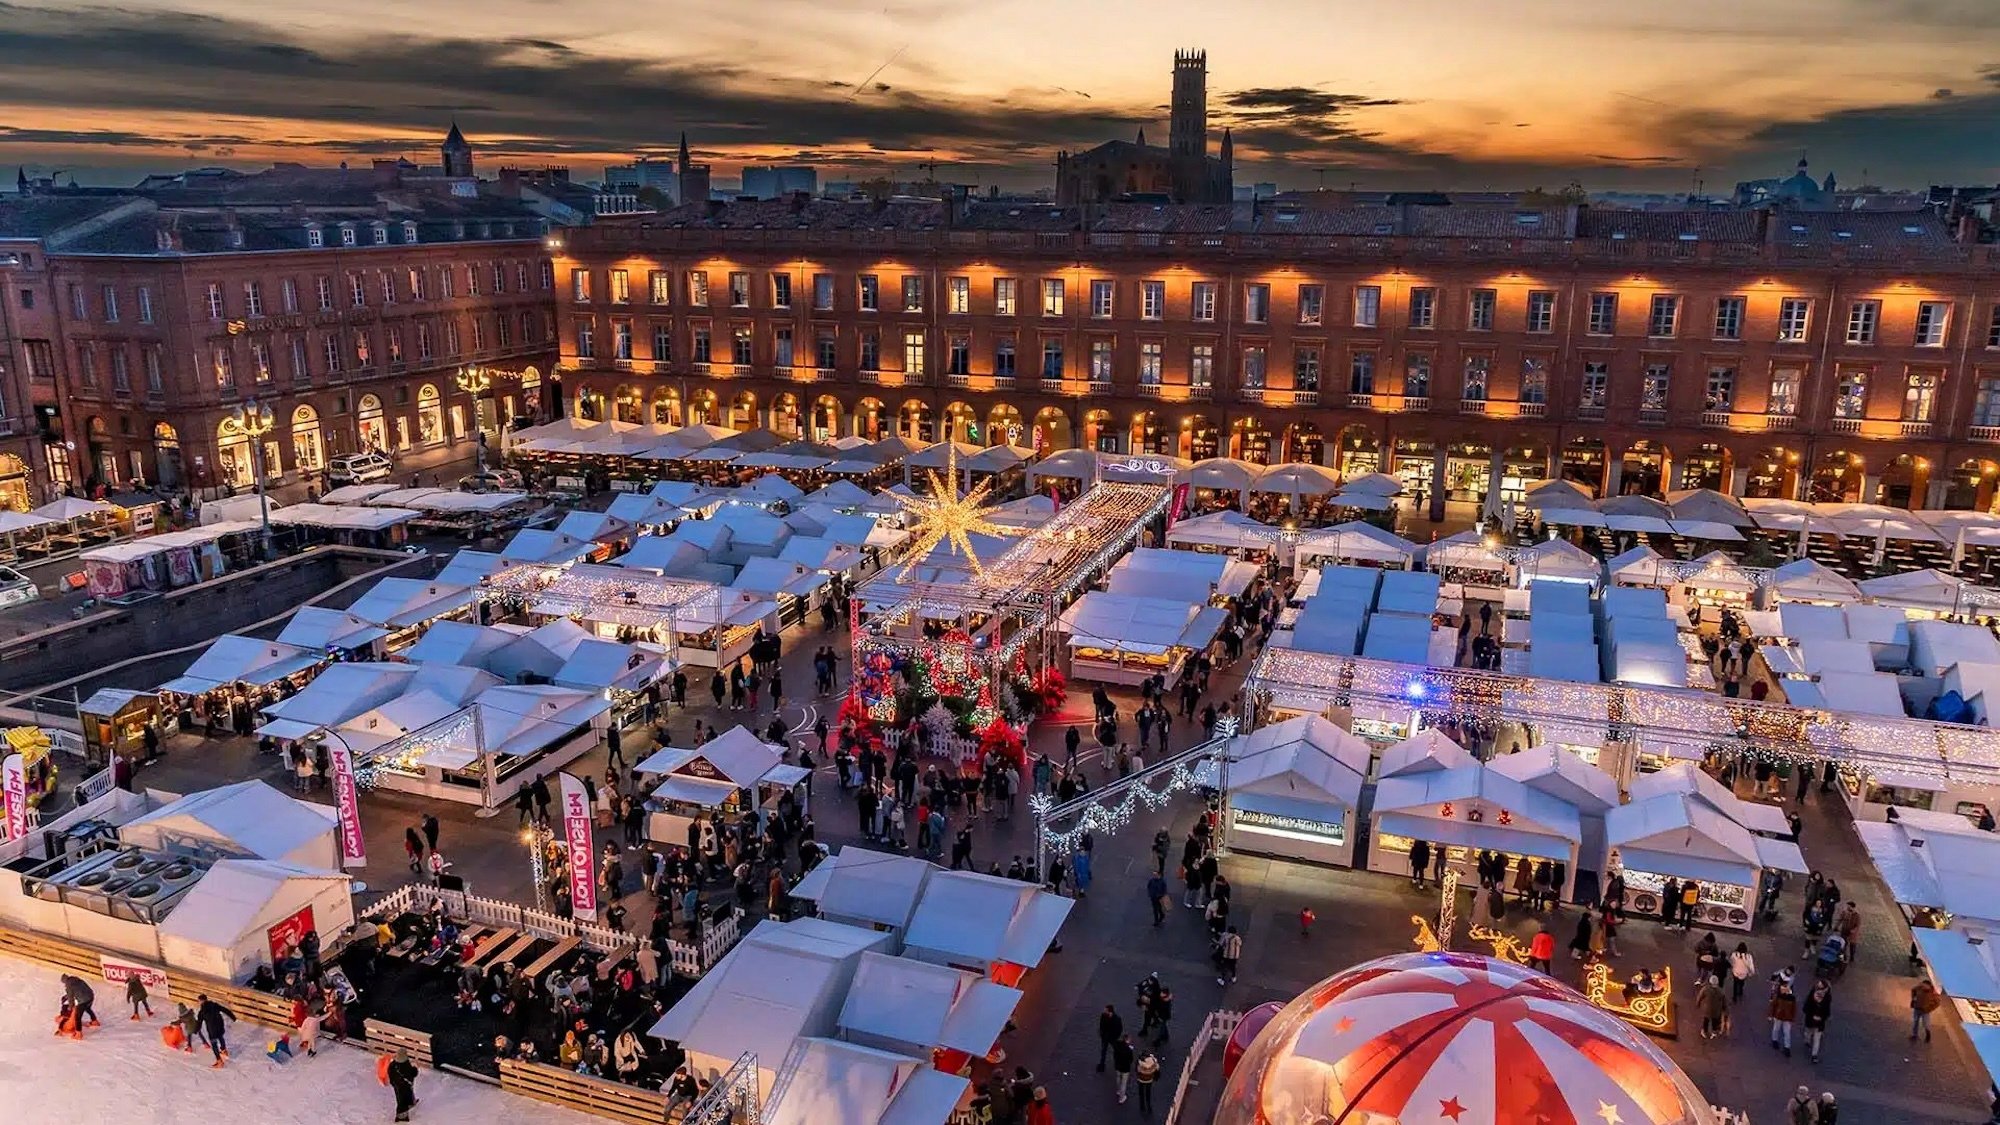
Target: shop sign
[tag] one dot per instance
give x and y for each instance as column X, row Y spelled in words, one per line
column 287, row 934
column 118, row 972
column 1333, row 831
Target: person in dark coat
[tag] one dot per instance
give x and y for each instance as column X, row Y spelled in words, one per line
column 209, row 1016
column 431, row 831
column 403, row 1080
column 81, row 997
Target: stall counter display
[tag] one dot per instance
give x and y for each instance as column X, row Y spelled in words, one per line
column 1720, row 904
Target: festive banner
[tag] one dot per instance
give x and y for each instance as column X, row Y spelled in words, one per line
column 1180, row 505
column 353, row 849
column 576, row 836
column 14, row 781
column 118, row 972
column 289, row 932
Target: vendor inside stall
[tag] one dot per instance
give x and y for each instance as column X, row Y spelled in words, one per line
column 732, row 774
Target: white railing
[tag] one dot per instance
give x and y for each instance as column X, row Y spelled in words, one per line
column 957, row 379
column 1416, row 403
column 1916, row 429
column 1216, row 1028
column 1201, row 393
column 717, row 939
column 1150, row 390
column 1983, row 433
column 1472, row 406
column 1360, row 401
column 417, row 897
column 1531, row 409
column 1843, row 425
column 1253, row 394
column 1052, row 386
column 1305, row 398
column 1715, row 419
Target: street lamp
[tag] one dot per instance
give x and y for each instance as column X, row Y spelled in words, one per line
column 253, row 421
column 476, row 381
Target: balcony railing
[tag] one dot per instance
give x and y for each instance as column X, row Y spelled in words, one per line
column 724, row 370
column 1202, row 393
column 1916, row 429
column 1531, row 409
column 957, row 379
column 1781, row 422
column 1360, row 401
column 698, row 368
column 871, row 375
column 622, row 363
column 1990, row 434
column 1151, row 390
column 1589, row 412
column 802, row 374
column 1715, row 419
column 1472, row 406
column 1253, row 394
column 1649, row 416
column 1305, row 398
column 1416, row 404
column 1100, row 386
column 1052, row 386
column 1844, row 425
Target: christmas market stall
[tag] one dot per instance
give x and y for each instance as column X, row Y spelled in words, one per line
column 1679, row 836
column 837, row 1080
column 1197, row 579
column 1468, row 810
column 1127, row 639
column 341, row 635
column 482, row 754
column 735, row 774
column 1355, row 542
column 236, row 673
column 948, row 1016
column 115, row 721
column 1228, row 531
column 406, row 606
column 1292, row 789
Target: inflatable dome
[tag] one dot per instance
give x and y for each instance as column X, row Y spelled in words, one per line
column 1454, row 1039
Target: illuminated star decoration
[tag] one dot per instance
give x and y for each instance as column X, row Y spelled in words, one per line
column 947, row 517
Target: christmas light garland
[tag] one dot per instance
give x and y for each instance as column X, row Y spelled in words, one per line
column 1182, row 773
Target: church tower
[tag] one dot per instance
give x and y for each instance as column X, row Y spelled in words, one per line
column 457, row 154
column 1187, row 133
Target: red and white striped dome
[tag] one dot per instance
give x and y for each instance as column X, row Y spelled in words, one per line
column 1454, row 1039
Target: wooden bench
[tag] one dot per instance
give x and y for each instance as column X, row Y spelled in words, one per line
column 581, row 1092
column 491, row 943
column 518, row 947
column 387, row 1039
column 556, row 953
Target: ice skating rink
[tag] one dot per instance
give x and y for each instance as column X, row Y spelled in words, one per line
column 122, row 1073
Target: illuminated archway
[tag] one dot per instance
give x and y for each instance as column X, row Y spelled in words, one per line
column 785, row 414
column 826, row 418
column 1004, row 426
column 913, row 420
column 961, row 423
column 1304, row 443
column 871, row 419
column 743, row 411
column 1051, row 431
column 667, row 407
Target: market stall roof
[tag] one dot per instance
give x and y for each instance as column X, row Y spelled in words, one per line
column 566, row 429
column 1140, row 468
column 1717, row 571
column 468, row 567
column 1679, row 834
column 1961, row 962
column 459, row 642
column 1427, row 751
column 1354, row 539
column 1929, row 861
column 321, row 628
column 1373, row 484
column 870, row 886
column 831, row 1080
column 1573, row 517
column 1902, row 526
column 540, row 652
column 736, row 756
column 925, row 1006
column 600, row 665
column 1822, row 655
column 1561, row 774
column 540, row 547
column 403, row 497
column 249, row 818
column 1632, row 505
column 1652, row 525
column 1291, row 768
column 1864, row 693
column 233, row 897
column 1397, row 638
column 840, row 494
column 336, row 695
column 686, row 440
column 935, row 456
column 356, row 493
column 1805, row 621
column 1937, row 645
column 770, row 487
column 1223, row 474
column 1561, row 560
column 402, row 602
column 1331, row 625
column 1686, row 777
column 668, row 554
column 821, row 554
column 1138, row 624
column 996, row 458
column 870, row 457
column 589, row 526
column 22, row 521
column 1577, row 661
column 1918, row 589
column 1070, row 464
column 1633, row 601
column 435, row 693
column 779, row 459
column 865, row 531
column 1467, row 550
column 1412, row 805
column 66, row 508
column 234, row 659
column 1560, row 599
column 515, row 720
column 770, row 577
column 1032, row 511
column 1161, row 572
column 1546, row 494
column 1640, row 566
column 1297, row 479
column 1655, row 660
column 1708, row 505
column 1227, row 528
column 1410, row 592
column 969, row 918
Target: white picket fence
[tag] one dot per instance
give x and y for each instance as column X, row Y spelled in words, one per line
column 687, row 959
column 1216, row 1028
column 955, row 747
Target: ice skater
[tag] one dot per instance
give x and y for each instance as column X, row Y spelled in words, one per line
column 135, row 995
column 83, row 998
column 401, row 1076
column 209, row 1015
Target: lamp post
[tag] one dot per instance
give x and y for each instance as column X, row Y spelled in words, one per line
column 253, row 421
column 476, row 381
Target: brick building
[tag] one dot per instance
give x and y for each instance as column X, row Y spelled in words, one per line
column 391, row 309
column 1765, row 353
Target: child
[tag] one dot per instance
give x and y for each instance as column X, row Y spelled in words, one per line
column 184, row 1016
column 66, row 1021
column 1306, row 917
column 135, row 994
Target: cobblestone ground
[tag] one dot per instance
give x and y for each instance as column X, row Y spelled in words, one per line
column 1110, row 942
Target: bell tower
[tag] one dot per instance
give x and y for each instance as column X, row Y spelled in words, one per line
column 1188, row 129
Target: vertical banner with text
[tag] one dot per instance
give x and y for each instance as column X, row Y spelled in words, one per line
column 14, row 781
column 353, row 849
column 576, row 837
column 1179, row 508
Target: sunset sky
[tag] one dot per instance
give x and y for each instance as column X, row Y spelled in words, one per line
column 1443, row 93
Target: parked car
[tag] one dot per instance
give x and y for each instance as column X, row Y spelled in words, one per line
column 358, row 468
column 491, row 480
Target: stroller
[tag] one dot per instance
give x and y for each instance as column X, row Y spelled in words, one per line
column 1832, row 959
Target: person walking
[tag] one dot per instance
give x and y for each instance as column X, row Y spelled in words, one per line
column 1156, row 894
column 1110, row 1029
column 1714, row 1006
column 1146, row 1073
column 209, row 1015
column 1783, row 1009
column 430, row 825
column 1040, row 1112
column 1741, row 966
column 1122, row 1059
column 1818, row 1010
column 1161, row 1013
column 1227, row 951
column 1420, row 862
column 402, row 1078
column 1542, row 950
column 1924, row 999
column 135, row 995
column 1802, row 1109
column 1829, row 1110
column 413, row 848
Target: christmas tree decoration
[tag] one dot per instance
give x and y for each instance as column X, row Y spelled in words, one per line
column 984, row 712
column 948, row 668
column 947, row 516
column 1000, row 738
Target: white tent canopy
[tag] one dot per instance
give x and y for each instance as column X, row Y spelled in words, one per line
column 1162, row 573
column 320, row 628
column 1466, row 550
column 221, row 927
column 831, row 1080
column 903, row 1004
column 1811, row 580
column 1296, row 767
column 1297, row 479
column 1227, row 528
column 1356, row 540
column 1070, row 464
column 1918, row 589
column 234, row 659
column 1559, row 559
column 1425, row 751
column 399, row 603
column 966, row 918
column 336, row 695
column 1136, row 624
column 249, row 820
column 1222, row 474
column 866, row 888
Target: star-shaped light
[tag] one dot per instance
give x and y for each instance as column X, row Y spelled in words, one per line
column 1609, row 1113
column 1450, row 1108
column 947, row 517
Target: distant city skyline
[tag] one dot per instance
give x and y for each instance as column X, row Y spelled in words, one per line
column 1434, row 93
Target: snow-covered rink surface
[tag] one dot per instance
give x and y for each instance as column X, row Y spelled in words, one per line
column 122, row 1073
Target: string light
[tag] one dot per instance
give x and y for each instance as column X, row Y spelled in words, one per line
column 947, row 517
column 1181, row 774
